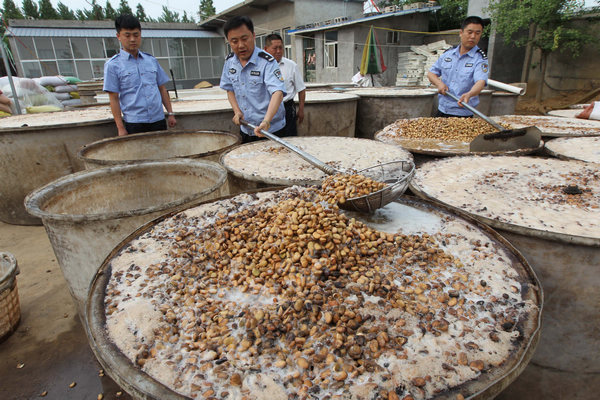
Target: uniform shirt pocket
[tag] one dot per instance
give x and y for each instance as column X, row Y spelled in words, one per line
column 129, row 79
column 149, row 76
column 255, row 85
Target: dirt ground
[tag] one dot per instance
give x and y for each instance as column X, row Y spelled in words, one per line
column 528, row 106
column 49, row 350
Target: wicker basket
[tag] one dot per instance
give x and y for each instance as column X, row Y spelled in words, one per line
column 10, row 311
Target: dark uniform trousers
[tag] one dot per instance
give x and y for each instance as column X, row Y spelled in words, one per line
column 160, row 125
column 290, row 118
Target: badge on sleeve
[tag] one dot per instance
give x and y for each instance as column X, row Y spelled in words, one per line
column 484, row 67
column 232, row 70
column 255, row 73
column 277, row 73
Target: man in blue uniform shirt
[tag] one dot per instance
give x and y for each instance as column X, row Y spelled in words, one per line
column 462, row 70
column 135, row 83
column 253, row 82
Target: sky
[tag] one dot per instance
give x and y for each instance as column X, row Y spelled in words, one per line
column 153, row 8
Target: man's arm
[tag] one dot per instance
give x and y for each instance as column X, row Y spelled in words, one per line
column 437, row 81
column 475, row 90
column 301, row 98
column 237, row 112
column 115, row 108
column 276, row 99
column 166, row 100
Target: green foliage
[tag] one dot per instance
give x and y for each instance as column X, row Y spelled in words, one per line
column 206, row 9
column 47, row 11
column 95, row 13
column 553, row 20
column 80, row 15
column 140, row 13
column 109, row 11
column 168, row 15
column 451, row 15
column 30, row 9
column 187, row 19
column 10, row 10
column 65, row 12
column 125, row 9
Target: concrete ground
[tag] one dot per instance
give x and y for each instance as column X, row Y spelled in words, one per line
column 49, row 350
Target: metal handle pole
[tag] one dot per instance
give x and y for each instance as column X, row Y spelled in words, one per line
column 317, row 163
column 477, row 112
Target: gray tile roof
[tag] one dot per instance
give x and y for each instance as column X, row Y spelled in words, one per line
column 100, row 32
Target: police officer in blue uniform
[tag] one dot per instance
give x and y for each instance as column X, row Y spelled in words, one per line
column 462, row 70
column 253, row 82
column 135, row 83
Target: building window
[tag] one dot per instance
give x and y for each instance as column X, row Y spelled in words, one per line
column 287, row 43
column 111, row 46
column 31, row 69
column 393, row 37
column 331, row 47
column 260, row 41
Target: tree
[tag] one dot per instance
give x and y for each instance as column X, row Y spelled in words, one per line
column 95, row 13
column 65, row 12
column 187, row 19
column 30, row 9
column 206, row 9
column 551, row 24
column 109, row 11
column 47, row 11
column 10, row 10
column 81, row 15
column 140, row 13
column 451, row 15
column 168, row 15
column 124, row 8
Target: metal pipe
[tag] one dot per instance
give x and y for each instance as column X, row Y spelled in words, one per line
column 508, row 88
column 477, row 112
column 10, row 78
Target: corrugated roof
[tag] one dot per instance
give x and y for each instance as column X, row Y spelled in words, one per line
column 364, row 19
column 98, row 32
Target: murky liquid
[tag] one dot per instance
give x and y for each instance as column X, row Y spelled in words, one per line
column 396, row 217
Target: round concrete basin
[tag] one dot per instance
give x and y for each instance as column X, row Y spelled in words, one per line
column 86, row 214
column 379, row 107
column 161, row 145
column 503, row 103
column 36, row 149
column 578, row 148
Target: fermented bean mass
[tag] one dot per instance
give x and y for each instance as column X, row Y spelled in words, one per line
column 446, row 129
column 280, row 295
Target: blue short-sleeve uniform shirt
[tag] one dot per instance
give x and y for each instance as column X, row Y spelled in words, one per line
column 460, row 73
column 137, row 81
column 253, row 86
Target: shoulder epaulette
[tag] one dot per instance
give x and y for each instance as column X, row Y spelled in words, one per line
column 229, row 56
column 113, row 57
column 451, row 48
column 483, row 55
column 266, row 56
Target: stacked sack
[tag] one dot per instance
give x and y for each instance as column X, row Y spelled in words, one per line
column 64, row 88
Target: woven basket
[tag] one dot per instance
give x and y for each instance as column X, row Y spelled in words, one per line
column 10, row 311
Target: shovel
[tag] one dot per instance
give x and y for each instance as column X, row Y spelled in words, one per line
column 396, row 174
column 504, row 139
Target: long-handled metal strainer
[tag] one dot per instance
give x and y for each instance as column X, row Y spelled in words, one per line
column 396, row 174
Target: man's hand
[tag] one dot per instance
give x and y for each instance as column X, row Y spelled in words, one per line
column 464, row 99
column 237, row 118
column 172, row 121
column 122, row 131
column 442, row 88
column 587, row 111
column 300, row 116
column 264, row 126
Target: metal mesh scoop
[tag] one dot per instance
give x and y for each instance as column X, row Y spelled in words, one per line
column 396, row 174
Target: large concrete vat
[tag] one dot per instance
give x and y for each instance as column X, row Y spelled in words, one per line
column 86, row 214
column 161, row 145
column 503, row 103
column 10, row 310
column 379, row 107
column 266, row 164
column 329, row 114
column 566, row 363
column 38, row 148
column 577, row 148
column 407, row 215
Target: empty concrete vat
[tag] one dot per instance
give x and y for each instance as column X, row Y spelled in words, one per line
column 379, row 107
column 86, row 214
column 503, row 103
column 329, row 114
column 36, row 149
column 161, row 145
